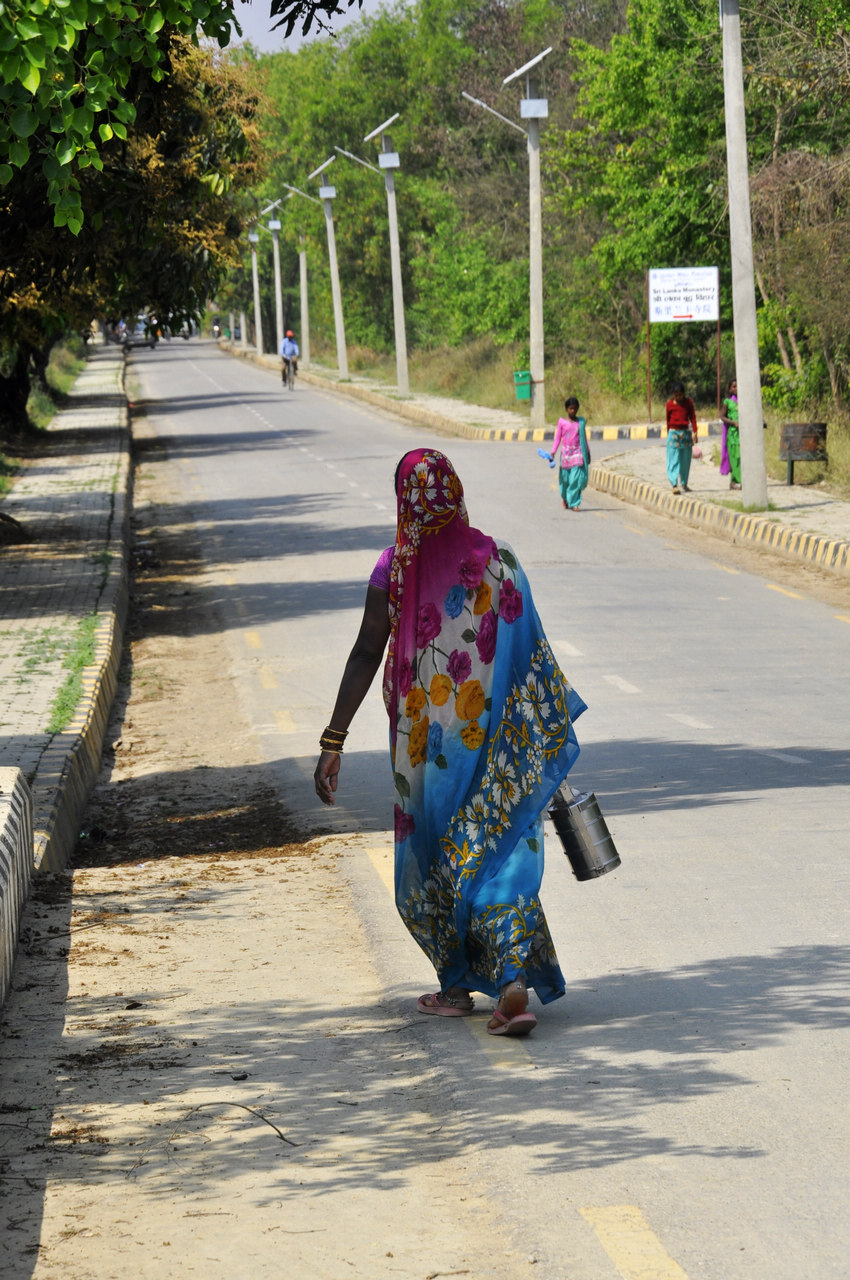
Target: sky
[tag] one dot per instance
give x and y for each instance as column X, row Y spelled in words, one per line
column 256, row 25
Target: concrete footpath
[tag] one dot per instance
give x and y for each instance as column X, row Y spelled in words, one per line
column 63, row 603
column 63, row 595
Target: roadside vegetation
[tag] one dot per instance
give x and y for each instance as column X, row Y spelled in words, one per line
column 136, row 149
column 634, row 173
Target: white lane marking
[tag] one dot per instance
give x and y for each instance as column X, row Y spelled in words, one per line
column 688, row 720
column 569, row 650
column 623, row 685
column 784, row 756
column 380, row 506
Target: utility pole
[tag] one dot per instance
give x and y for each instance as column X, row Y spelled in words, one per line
column 274, row 228
column 305, row 308
column 326, row 195
column 533, row 110
column 753, row 474
column 302, row 269
column 389, row 161
column 253, row 237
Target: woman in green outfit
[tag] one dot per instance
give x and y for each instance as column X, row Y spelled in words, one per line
column 730, row 449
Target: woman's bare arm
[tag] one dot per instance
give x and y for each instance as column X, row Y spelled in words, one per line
column 359, row 672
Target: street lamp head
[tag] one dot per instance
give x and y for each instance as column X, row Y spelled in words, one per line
column 274, row 224
column 253, row 237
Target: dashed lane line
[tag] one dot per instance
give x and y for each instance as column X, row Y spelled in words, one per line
column 267, row 678
column 285, row 722
column 690, row 721
column 631, row 1244
column 623, row 685
column 784, row 756
column 569, row 650
column 784, row 591
column 252, row 639
column 724, row 567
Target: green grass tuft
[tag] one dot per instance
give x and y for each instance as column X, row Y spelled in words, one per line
column 80, row 655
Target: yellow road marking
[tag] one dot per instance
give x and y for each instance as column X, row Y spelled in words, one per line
column 641, row 532
column 783, row 591
column 502, row 1052
column 285, row 722
column 382, row 860
column 267, row 678
column 842, row 617
column 724, row 567
column 252, row 639
column 631, row 1244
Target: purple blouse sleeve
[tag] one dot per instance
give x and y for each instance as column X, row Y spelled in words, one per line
column 381, row 572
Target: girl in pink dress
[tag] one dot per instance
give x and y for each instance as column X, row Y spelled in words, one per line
column 571, row 438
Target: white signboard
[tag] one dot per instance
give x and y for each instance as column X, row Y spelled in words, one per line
column 684, row 293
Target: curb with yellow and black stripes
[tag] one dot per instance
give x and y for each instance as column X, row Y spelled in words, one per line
column 741, row 527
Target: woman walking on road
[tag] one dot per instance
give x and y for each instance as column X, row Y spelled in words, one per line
column 730, row 448
column 681, row 438
column 571, row 439
column 480, row 738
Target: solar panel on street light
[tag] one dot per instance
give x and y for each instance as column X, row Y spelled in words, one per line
column 381, row 127
column 522, row 70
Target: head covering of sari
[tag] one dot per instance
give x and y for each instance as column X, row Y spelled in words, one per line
column 481, row 736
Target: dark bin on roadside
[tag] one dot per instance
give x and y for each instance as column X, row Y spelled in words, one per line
column 522, row 383
column 802, row 442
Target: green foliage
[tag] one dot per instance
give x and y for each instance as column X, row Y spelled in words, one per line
column 66, row 74
column 81, row 654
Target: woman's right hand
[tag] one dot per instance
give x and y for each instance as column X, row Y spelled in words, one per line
column 326, row 775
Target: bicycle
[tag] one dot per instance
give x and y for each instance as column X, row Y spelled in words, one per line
column 288, row 372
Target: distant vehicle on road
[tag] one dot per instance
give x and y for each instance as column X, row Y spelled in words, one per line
column 143, row 334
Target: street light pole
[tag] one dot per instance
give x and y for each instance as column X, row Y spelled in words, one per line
column 326, row 195
column 302, row 270
column 305, row 309
column 274, row 228
column 747, row 372
column 258, row 319
column 389, row 161
column 533, row 110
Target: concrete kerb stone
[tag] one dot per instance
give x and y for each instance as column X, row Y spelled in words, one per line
column 69, row 766
column 39, row 822
column 740, row 527
column 15, row 866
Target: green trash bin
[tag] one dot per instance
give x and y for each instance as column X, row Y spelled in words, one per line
column 522, row 384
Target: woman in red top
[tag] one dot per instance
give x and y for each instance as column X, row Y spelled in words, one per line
column 681, row 438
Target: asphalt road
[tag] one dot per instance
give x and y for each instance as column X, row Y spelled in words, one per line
column 682, row 1113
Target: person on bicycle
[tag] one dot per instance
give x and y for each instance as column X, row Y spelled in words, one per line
column 289, row 351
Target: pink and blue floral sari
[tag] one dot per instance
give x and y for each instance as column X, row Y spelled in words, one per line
column 481, row 735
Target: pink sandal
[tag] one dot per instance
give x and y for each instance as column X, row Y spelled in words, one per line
column 445, row 1006
column 510, row 1017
